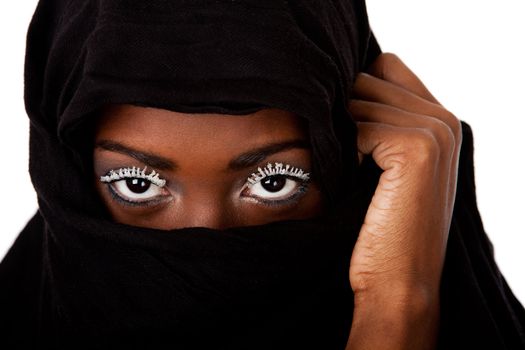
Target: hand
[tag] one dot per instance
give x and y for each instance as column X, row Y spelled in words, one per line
column 397, row 261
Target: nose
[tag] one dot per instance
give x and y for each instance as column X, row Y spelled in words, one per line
column 205, row 211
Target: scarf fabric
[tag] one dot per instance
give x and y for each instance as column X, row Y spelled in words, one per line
column 75, row 279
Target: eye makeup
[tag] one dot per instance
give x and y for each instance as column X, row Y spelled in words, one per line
column 274, row 185
column 277, row 185
column 132, row 186
column 278, row 169
column 133, row 173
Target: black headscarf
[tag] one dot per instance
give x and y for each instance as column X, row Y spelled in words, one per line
column 75, row 279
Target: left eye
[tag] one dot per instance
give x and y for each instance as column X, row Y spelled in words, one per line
column 275, row 188
column 137, row 190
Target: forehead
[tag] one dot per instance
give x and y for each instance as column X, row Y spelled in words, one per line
column 194, row 140
column 152, row 126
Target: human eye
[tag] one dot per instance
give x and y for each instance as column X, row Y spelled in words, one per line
column 277, row 184
column 133, row 186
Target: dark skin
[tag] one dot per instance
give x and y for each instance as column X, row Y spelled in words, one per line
column 396, row 264
column 194, row 154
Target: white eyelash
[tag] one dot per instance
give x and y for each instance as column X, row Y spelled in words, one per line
column 279, row 169
column 133, row 173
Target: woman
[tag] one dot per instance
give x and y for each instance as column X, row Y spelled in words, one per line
column 157, row 227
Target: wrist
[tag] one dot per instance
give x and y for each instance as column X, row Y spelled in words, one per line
column 411, row 301
column 406, row 319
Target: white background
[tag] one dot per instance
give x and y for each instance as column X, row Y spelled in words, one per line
column 471, row 55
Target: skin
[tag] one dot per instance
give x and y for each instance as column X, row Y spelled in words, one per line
column 196, row 150
column 396, row 265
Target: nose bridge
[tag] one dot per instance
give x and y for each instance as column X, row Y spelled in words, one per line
column 202, row 208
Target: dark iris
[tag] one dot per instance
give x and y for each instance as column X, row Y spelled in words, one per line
column 138, row 185
column 273, row 183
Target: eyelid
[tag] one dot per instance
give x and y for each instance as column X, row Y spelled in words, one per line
column 133, row 173
column 116, row 182
column 293, row 173
column 278, row 169
column 291, row 199
column 136, row 203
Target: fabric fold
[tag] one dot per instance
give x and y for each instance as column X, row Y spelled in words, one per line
column 75, row 279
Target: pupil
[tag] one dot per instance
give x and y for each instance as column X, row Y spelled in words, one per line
column 138, row 185
column 274, row 183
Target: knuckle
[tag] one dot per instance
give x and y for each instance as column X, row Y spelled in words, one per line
column 386, row 63
column 443, row 134
column 423, row 147
column 453, row 123
column 389, row 58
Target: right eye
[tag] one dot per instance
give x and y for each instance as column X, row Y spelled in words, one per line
column 276, row 187
column 136, row 190
column 133, row 186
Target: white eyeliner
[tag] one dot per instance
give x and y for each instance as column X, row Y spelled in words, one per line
column 279, row 169
column 133, row 173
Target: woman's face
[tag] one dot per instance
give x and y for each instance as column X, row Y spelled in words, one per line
column 207, row 166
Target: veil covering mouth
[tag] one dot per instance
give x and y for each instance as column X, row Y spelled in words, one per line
column 76, row 279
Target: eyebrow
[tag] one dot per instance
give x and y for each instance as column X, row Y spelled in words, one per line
column 255, row 156
column 149, row 159
column 244, row 160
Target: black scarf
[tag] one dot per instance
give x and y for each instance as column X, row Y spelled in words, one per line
column 74, row 279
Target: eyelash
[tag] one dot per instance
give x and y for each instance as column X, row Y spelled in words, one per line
column 280, row 169
column 133, row 173
column 271, row 169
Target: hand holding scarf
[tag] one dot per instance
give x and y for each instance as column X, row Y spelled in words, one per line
column 397, row 261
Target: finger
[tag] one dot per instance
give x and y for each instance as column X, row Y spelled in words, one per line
column 366, row 111
column 373, row 89
column 391, row 145
column 360, row 155
column 391, row 68
column 408, row 145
